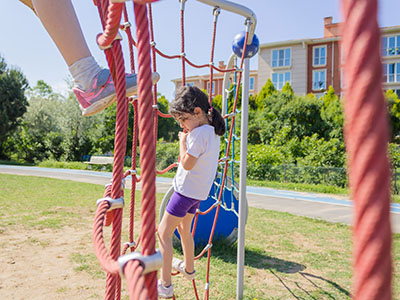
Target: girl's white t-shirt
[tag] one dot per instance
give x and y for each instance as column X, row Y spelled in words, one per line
column 204, row 144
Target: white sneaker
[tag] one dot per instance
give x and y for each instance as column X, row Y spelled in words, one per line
column 165, row 292
column 179, row 265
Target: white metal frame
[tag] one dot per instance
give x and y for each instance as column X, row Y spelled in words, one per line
column 251, row 22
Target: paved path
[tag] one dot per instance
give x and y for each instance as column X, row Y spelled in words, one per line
column 326, row 207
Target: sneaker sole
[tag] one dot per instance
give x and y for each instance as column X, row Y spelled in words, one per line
column 107, row 101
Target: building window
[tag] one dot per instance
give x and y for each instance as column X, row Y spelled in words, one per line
column 319, row 80
column 213, row 88
column 390, row 45
column 190, row 83
column 251, row 83
column 319, row 56
column 281, row 57
column 279, row 79
column 391, row 72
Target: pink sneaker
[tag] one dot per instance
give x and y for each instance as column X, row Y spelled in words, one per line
column 102, row 94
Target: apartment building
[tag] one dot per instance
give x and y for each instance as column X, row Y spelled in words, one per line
column 203, row 81
column 312, row 65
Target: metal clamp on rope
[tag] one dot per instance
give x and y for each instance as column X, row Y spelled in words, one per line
column 125, row 26
column 133, row 244
column 132, row 172
column 224, row 158
column 217, row 203
column 208, row 246
column 182, row 4
column 153, row 44
column 155, row 106
column 216, row 11
column 150, row 263
column 231, row 114
column 183, row 54
column 117, row 37
column 122, row 184
column 133, row 98
column 114, row 203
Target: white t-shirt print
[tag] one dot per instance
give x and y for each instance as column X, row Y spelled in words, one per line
column 204, row 144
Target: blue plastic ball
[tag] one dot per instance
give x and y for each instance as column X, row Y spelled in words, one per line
column 238, row 42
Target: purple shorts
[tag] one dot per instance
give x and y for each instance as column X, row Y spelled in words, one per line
column 180, row 205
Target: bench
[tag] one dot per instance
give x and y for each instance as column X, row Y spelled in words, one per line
column 100, row 160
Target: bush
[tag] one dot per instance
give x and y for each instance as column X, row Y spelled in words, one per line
column 261, row 160
column 167, row 154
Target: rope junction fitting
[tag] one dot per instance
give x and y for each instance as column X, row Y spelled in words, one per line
column 113, row 203
column 150, row 263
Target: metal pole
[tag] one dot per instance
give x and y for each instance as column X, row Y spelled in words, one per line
column 242, row 180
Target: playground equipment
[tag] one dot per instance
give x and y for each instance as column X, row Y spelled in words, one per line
column 366, row 136
column 226, row 228
column 109, row 210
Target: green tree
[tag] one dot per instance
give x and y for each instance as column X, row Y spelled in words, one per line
column 13, row 104
column 300, row 114
column 287, row 88
column 394, row 112
column 168, row 128
column 332, row 114
column 39, row 128
column 265, row 92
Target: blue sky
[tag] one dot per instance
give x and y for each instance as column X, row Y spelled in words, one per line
column 25, row 44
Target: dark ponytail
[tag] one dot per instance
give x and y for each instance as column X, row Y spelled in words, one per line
column 217, row 121
column 187, row 98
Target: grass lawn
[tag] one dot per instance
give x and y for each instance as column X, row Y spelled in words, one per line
column 287, row 257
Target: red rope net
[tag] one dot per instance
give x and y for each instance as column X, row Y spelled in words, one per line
column 139, row 287
column 366, row 135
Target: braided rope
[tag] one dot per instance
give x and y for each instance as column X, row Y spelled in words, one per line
column 366, row 135
column 147, row 146
column 112, row 24
column 214, row 34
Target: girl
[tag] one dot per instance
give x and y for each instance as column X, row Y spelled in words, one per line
column 199, row 145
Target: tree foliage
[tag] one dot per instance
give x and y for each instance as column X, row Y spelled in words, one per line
column 13, row 103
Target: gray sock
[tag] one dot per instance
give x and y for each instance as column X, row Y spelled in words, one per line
column 83, row 71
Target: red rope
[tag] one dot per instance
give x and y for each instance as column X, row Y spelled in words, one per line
column 210, row 93
column 154, row 60
column 112, row 24
column 135, row 281
column 133, row 167
column 131, row 41
column 366, row 135
column 147, row 147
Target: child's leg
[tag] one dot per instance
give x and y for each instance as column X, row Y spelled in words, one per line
column 165, row 232
column 61, row 22
column 187, row 242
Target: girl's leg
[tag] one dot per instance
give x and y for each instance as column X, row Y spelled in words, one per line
column 187, row 242
column 61, row 22
column 165, row 232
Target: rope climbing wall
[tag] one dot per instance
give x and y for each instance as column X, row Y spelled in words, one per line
column 110, row 207
column 366, row 136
